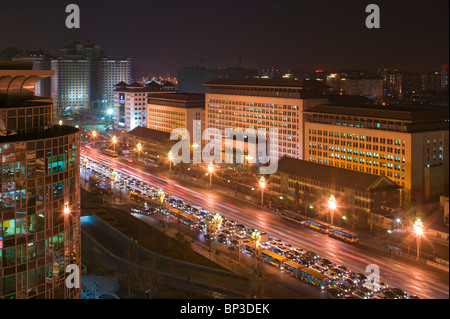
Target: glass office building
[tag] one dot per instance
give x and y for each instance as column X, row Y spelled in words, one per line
column 39, row 191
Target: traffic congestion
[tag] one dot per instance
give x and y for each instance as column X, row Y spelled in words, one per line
column 305, row 265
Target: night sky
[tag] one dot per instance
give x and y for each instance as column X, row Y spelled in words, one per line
column 165, row 35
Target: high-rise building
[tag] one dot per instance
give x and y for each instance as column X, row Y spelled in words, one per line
column 85, row 78
column 368, row 86
column 130, row 103
column 264, row 104
column 406, row 144
column 40, row 193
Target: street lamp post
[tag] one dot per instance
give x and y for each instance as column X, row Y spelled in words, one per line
column 211, row 171
column 332, row 206
column 418, row 229
column 86, row 161
column 114, row 174
column 94, row 135
column 139, row 149
column 114, row 141
column 161, row 195
column 255, row 237
column 170, row 155
column 262, row 183
column 217, row 222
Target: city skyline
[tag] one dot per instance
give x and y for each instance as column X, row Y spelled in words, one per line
column 289, row 35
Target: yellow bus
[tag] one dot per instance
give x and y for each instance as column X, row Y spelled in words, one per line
column 313, row 277
column 272, row 258
column 292, row 268
column 110, row 152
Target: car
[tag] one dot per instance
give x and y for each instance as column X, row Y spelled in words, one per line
column 289, row 246
column 208, row 236
column 337, row 271
column 317, row 268
column 305, row 261
column 349, row 282
column 331, row 274
column 234, row 243
column 368, row 292
column 379, row 296
column 312, row 254
column 344, row 269
column 361, row 277
column 299, row 251
column 360, row 294
column 345, row 288
column 136, row 210
column 222, row 239
column 351, row 277
column 335, row 292
column 390, row 295
column 326, row 262
column 322, row 265
column 400, row 293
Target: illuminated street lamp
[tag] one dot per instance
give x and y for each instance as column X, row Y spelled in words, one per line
column 211, row 171
column 262, row 183
column 114, row 175
column 94, row 135
column 161, row 195
column 139, row 148
column 418, row 230
column 332, row 206
column 170, row 155
column 86, row 162
column 114, row 141
column 60, row 122
column 255, row 237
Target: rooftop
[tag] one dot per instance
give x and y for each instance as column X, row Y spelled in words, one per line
column 179, row 96
column 285, row 83
column 406, row 113
column 141, row 132
column 334, row 175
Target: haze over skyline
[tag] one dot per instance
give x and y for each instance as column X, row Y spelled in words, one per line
column 292, row 35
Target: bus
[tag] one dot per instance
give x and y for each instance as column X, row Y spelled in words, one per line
column 185, row 218
column 317, row 225
column 313, row 277
column 110, row 152
column 271, row 258
column 248, row 247
column 341, row 233
column 295, row 218
column 292, row 268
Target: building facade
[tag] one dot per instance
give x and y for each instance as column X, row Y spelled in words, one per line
column 130, row 103
column 408, row 145
column 310, row 184
column 167, row 111
column 264, row 104
column 40, row 193
column 85, row 77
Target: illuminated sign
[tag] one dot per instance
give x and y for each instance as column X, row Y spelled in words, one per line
column 121, row 98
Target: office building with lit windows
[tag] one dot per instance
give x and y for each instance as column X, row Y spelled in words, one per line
column 40, row 193
column 130, row 103
column 85, row 77
column 409, row 145
column 167, row 111
column 264, row 104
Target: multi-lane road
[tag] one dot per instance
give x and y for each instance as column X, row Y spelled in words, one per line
column 418, row 279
